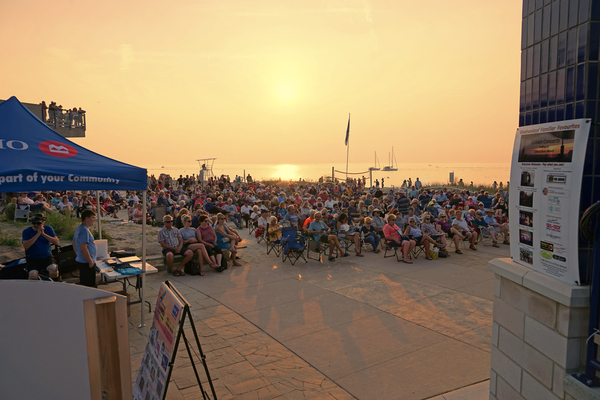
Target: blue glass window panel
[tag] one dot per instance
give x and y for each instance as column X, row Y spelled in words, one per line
column 582, row 43
column 569, row 111
column 564, row 15
column 535, row 93
column 537, row 31
column 539, row 4
column 521, row 119
column 544, row 56
column 536, row 59
column 588, row 163
column 523, row 65
column 529, row 62
column 584, row 11
column 528, row 89
column 580, row 85
column 595, row 11
column 560, row 113
column 535, row 117
column 573, row 13
column 590, row 109
column 572, row 47
column 555, row 18
column 531, row 6
column 524, row 34
column 562, row 50
column 552, row 114
column 570, row 85
column 530, row 29
column 592, row 81
column 546, row 22
column 523, row 93
column 525, row 8
column 544, row 91
column 528, row 119
column 552, row 88
column 579, row 108
column 594, row 42
column 597, row 150
column 553, row 53
column 560, row 86
column 543, row 116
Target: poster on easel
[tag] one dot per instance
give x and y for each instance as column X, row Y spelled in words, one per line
column 545, row 188
column 154, row 370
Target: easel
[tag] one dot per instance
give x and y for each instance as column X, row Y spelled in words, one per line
column 180, row 333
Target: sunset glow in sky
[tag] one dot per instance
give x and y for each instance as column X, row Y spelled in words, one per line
column 273, row 81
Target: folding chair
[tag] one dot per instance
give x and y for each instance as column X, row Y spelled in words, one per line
column 389, row 249
column 292, row 245
column 159, row 213
column 273, row 245
column 484, row 235
column 22, row 213
column 260, row 234
column 252, row 225
column 418, row 249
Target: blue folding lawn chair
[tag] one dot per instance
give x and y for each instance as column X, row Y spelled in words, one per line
column 293, row 246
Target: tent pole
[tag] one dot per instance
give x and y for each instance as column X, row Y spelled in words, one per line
column 144, row 218
column 98, row 214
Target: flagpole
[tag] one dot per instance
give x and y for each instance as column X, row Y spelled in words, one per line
column 347, row 147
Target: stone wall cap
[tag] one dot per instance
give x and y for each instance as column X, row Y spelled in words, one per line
column 561, row 292
column 578, row 390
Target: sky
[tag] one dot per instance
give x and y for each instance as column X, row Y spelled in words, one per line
column 273, row 81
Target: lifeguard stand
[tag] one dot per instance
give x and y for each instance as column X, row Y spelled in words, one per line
column 206, row 172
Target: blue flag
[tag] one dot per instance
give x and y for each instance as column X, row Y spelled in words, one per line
column 348, row 130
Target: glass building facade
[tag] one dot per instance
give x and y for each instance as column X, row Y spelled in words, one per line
column 560, row 48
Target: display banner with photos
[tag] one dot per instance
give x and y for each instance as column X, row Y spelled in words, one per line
column 545, row 186
column 154, row 371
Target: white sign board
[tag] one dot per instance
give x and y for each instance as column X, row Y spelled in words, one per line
column 545, row 186
column 152, row 376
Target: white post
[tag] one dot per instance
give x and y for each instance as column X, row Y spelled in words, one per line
column 143, row 258
column 98, row 214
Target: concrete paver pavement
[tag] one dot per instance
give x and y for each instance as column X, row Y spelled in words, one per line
column 366, row 328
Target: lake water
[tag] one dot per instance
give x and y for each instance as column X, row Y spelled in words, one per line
column 427, row 173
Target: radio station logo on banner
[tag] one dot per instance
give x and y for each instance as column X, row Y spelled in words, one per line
column 57, row 149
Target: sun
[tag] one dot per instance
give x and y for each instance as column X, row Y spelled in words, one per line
column 286, row 89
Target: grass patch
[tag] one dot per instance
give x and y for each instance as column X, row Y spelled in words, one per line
column 63, row 225
column 105, row 235
column 10, row 240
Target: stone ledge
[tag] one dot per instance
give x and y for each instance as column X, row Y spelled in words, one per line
column 578, row 390
column 563, row 293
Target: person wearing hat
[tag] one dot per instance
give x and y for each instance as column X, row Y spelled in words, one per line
column 377, row 221
column 493, row 223
column 171, row 241
column 85, row 249
column 263, row 221
column 432, row 210
column 37, row 241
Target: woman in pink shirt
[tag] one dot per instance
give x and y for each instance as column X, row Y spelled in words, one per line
column 394, row 239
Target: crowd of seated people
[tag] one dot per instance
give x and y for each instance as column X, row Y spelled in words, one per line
column 339, row 215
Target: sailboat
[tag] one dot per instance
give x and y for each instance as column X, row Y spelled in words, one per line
column 393, row 163
column 376, row 166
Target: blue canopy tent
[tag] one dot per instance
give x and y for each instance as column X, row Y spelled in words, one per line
column 35, row 158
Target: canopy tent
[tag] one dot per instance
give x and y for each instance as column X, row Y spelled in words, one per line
column 35, row 158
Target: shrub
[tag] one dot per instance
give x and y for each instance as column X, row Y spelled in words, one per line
column 105, row 235
column 63, row 225
column 9, row 211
